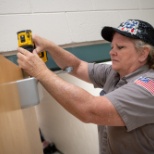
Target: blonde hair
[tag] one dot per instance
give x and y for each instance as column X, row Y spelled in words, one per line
column 150, row 59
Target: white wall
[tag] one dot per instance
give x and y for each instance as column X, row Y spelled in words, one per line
column 67, row 21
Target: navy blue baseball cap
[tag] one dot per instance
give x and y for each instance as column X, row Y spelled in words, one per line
column 132, row 28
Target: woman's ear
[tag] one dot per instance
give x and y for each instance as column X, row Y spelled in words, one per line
column 144, row 54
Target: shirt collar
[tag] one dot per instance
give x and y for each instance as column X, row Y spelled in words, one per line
column 136, row 73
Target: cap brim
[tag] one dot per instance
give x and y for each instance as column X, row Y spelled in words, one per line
column 108, row 32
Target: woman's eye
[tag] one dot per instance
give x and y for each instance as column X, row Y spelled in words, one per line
column 120, row 47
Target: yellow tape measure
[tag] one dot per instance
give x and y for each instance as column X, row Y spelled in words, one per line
column 25, row 41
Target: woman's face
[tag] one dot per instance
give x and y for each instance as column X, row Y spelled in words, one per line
column 124, row 56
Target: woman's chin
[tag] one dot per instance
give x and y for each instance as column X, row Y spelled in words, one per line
column 114, row 67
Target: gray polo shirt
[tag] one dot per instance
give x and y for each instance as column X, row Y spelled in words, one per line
column 133, row 98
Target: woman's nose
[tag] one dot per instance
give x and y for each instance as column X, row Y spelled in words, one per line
column 112, row 52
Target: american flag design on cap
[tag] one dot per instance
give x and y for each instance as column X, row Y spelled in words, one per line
column 146, row 83
column 130, row 26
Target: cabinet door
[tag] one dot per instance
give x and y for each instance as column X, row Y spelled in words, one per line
column 19, row 131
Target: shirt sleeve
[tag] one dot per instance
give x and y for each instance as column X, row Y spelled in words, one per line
column 98, row 73
column 134, row 104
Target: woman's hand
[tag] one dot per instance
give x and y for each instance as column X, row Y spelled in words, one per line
column 31, row 62
column 41, row 44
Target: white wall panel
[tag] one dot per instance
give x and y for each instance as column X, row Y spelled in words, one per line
column 146, row 15
column 50, row 26
column 115, row 4
column 147, row 4
column 86, row 26
column 61, row 5
column 70, row 134
column 67, row 21
column 17, row 6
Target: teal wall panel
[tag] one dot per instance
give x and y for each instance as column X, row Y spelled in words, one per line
column 91, row 53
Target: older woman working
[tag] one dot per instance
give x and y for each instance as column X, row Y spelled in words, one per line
column 124, row 112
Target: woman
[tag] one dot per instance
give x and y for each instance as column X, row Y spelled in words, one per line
column 124, row 112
